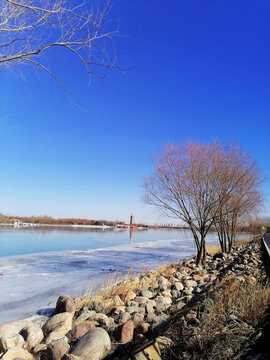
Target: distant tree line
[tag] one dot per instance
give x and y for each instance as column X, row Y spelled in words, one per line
column 255, row 225
column 62, row 221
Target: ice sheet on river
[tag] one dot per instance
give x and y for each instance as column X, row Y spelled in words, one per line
column 32, row 282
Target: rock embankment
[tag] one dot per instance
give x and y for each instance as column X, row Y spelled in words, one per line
column 133, row 312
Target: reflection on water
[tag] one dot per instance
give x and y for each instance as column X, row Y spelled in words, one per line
column 20, row 241
column 131, row 235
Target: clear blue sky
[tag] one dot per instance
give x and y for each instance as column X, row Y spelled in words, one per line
column 203, row 74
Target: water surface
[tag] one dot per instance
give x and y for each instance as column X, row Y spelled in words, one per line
column 22, row 241
column 38, row 265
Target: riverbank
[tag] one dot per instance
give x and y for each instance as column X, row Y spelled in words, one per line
column 138, row 309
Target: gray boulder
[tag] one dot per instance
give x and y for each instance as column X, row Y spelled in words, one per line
column 55, row 350
column 67, row 303
column 94, row 345
column 61, row 323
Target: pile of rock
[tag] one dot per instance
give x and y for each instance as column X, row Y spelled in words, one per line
column 136, row 309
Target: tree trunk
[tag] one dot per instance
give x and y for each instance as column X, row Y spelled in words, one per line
column 201, row 254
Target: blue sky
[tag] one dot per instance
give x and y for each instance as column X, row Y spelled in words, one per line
column 200, row 72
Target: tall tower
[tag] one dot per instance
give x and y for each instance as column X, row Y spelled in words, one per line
column 131, row 219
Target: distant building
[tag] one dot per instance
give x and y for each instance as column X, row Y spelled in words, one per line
column 131, row 219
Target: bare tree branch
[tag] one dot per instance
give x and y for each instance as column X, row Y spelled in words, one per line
column 29, row 30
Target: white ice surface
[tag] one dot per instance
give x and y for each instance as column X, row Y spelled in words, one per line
column 33, row 282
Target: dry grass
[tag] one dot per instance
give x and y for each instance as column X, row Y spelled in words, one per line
column 108, row 289
column 213, row 249
column 238, row 310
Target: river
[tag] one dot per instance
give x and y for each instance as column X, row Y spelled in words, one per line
column 37, row 265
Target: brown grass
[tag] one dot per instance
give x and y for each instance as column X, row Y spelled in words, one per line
column 213, row 249
column 238, row 310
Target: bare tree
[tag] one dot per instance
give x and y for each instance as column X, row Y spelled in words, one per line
column 30, row 30
column 186, row 185
column 199, row 184
column 244, row 198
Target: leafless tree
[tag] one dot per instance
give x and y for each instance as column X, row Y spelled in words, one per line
column 197, row 183
column 32, row 30
column 244, row 197
column 185, row 185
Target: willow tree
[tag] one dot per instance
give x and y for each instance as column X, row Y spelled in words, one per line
column 31, row 32
column 195, row 183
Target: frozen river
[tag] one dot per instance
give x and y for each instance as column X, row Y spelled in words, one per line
column 36, row 266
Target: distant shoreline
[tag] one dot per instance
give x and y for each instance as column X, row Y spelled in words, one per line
column 33, row 225
column 123, row 227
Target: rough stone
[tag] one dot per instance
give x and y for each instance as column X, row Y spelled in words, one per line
column 125, row 332
column 150, row 317
column 160, row 307
column 124, row 317
column 108, row 323
column 180, row 305
column 39, row 347
column 55, row 350
column 188, row 290
column 15, row 327
column 133, row 309
column 165, row 300
column 152, row 303
column 190, row 283
column 85, row 315
column 32, row 335
column 94, row 345
column 167, row 293
column 10, row 341
column 61, row 323
column 82, row 329
column 141, row 300
column 163, row 283
column 179, row 286
column 137, row 318
column 67, row 303
column 17, row 352
column 98, row 317
column 149, row 308
column 148, row 294
column 130, row 295
column 53, row 336
column 119, row 309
